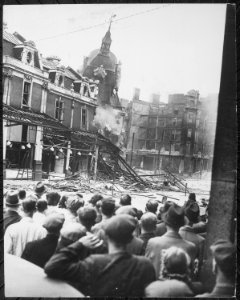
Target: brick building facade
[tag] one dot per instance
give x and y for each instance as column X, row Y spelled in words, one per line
column 43, row 101
column 178, row 135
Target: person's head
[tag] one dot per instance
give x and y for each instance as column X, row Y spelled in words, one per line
column 70, row 234
column 128, row 210
column 125, row 200
column 29, row 205
column 108, row 207
column 73, row 203
column 119, row 229
column 139, row 214
column 152, row 206
column 21, row 194
column 42, row 205
column 148, row 222
column 174, row 217
column 224, row 259
column 87, row 216
column 192, row 213
column 192, row 197
column 12, row 200
column 40, row 189
column 53, row 223
column 95, row 198
column 164, row 199
column 163, row 210
column 62, row 201
column 175, row 262
column 53, row 198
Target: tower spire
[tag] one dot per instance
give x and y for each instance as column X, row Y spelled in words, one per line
column 106, row 41
column 110, row 21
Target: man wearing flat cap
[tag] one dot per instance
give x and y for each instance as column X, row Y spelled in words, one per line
column 224, row 266
column 173, row 219
column 38, row 252
column 11, row 214
column 116, row 274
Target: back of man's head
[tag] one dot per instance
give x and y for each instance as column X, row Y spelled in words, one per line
column 73, row 203
column 126, row 200
column 21, row 194
column 53, row 198
column 95, row 198
column 42, row 205
column 149, row 222
column 152, row 206
column 224, row 253
column 29, row 205
column 108, row 207
column 87, row 216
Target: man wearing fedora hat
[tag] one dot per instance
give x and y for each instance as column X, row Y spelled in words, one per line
column 26, row 230
column 192, row 213
column 11, row 215
column 40, row 189
column 161, row 226
column 116, row 274
column 173, row 219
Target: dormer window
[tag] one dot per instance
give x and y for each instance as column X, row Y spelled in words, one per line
column 60, row 80
column 29, row 57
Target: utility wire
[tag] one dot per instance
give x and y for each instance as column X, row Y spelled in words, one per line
column 101, row 24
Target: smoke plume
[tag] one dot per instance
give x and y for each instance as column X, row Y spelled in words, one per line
column 106, row 119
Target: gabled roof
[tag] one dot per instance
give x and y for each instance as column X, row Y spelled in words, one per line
column 11, row 38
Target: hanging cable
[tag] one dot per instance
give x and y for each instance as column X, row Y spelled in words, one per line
column 101, row 24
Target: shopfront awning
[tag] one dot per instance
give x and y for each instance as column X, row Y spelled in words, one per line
column 28, row 117
column 52, row 127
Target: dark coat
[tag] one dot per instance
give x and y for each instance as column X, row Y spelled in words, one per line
column 161, row 229
column 10, row 217
column 38, row 252
column 156, row 245
column 188, row 234
column 114, row 275
column 146, row 237
column 136, row 246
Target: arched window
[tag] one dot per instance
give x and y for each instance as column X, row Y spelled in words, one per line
column 60, row 80
column 29, row 57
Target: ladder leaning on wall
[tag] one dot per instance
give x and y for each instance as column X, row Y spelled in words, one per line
column 25, row 161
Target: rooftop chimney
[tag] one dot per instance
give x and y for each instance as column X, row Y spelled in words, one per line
column 155, row 99
column 136, row 94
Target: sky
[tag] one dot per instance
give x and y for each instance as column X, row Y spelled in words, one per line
column 163, row 48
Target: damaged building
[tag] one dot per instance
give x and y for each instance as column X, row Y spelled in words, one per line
column 177, row 136
column 56, row 119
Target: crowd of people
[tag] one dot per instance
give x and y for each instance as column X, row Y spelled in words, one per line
column 105, row 247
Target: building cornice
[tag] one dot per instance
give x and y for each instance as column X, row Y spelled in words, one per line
column 71, row 95
column 17, row 65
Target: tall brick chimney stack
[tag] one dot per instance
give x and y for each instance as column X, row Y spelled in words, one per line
column 136, row 94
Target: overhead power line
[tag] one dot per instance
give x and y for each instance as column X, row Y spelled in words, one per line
column 101, row 24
